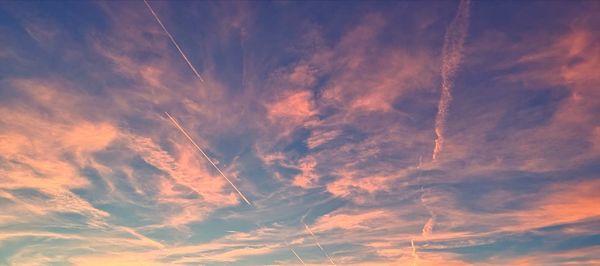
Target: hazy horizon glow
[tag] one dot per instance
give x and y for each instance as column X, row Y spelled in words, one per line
column 300, row 133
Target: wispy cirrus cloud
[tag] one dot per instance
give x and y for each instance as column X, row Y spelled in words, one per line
column 319, row 120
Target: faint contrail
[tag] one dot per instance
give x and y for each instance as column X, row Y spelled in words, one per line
column 141, row 237
column 174, row 42
column 451, row 57
column 206, row 156
column 428, row 226
column 295, row 254
column 414, row 253
column 318, row 245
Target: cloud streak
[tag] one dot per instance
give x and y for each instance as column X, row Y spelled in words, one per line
column 297, row 256
column 176, row 124
column 324, row 119
column 319, row 245
column 452, row 54
column 174, row 42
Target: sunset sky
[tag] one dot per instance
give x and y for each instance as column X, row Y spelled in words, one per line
column 328, row 133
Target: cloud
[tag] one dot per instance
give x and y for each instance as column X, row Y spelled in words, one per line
column 566, row 202
column 323, row 120
column 189, row 171
column 36, row 161
column 355, row 187
column 349, row 221
column 296, row 106
column 307, row 177
column 318, row 138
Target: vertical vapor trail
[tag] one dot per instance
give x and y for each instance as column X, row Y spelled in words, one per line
column 412, row 243
column 414, row 253
column 428, row 226
column 174, row 42
column 318, row 245
column 451, row 56
column 207, row 158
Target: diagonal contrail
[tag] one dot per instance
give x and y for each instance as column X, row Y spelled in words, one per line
column 174, row 42
column 451, row 57
column 297, row 256
column 206, row 156
column 318, row 245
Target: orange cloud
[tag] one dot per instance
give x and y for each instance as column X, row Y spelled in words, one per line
column 357, row 188
column 350, row 221
column 319, row 137
column 190, row 171
column 307, row 177
column 566, row 202
column 296, row 106
column 35, row 148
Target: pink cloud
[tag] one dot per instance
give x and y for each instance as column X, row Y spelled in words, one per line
column 319, row 137
column 297, row 106
column 350, row 221
column 189, row 170
column 307, row 177
column 566, row 202
column 358, row 189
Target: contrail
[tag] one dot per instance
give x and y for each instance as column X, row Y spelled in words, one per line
column 174, row 42
column 318, row 245
column 451, row 57
column 296, row 254
column 414, row 253
column 428, row 226
column 206, row 156
column 141, row 237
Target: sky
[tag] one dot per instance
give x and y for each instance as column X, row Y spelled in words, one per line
column 300, row 133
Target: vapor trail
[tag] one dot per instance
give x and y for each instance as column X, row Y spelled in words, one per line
column 174, row 42
column 318, row 245
column 296, row 254
column 451, row 56
column 414, row 253
column 206, row 156
column 428, row 226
